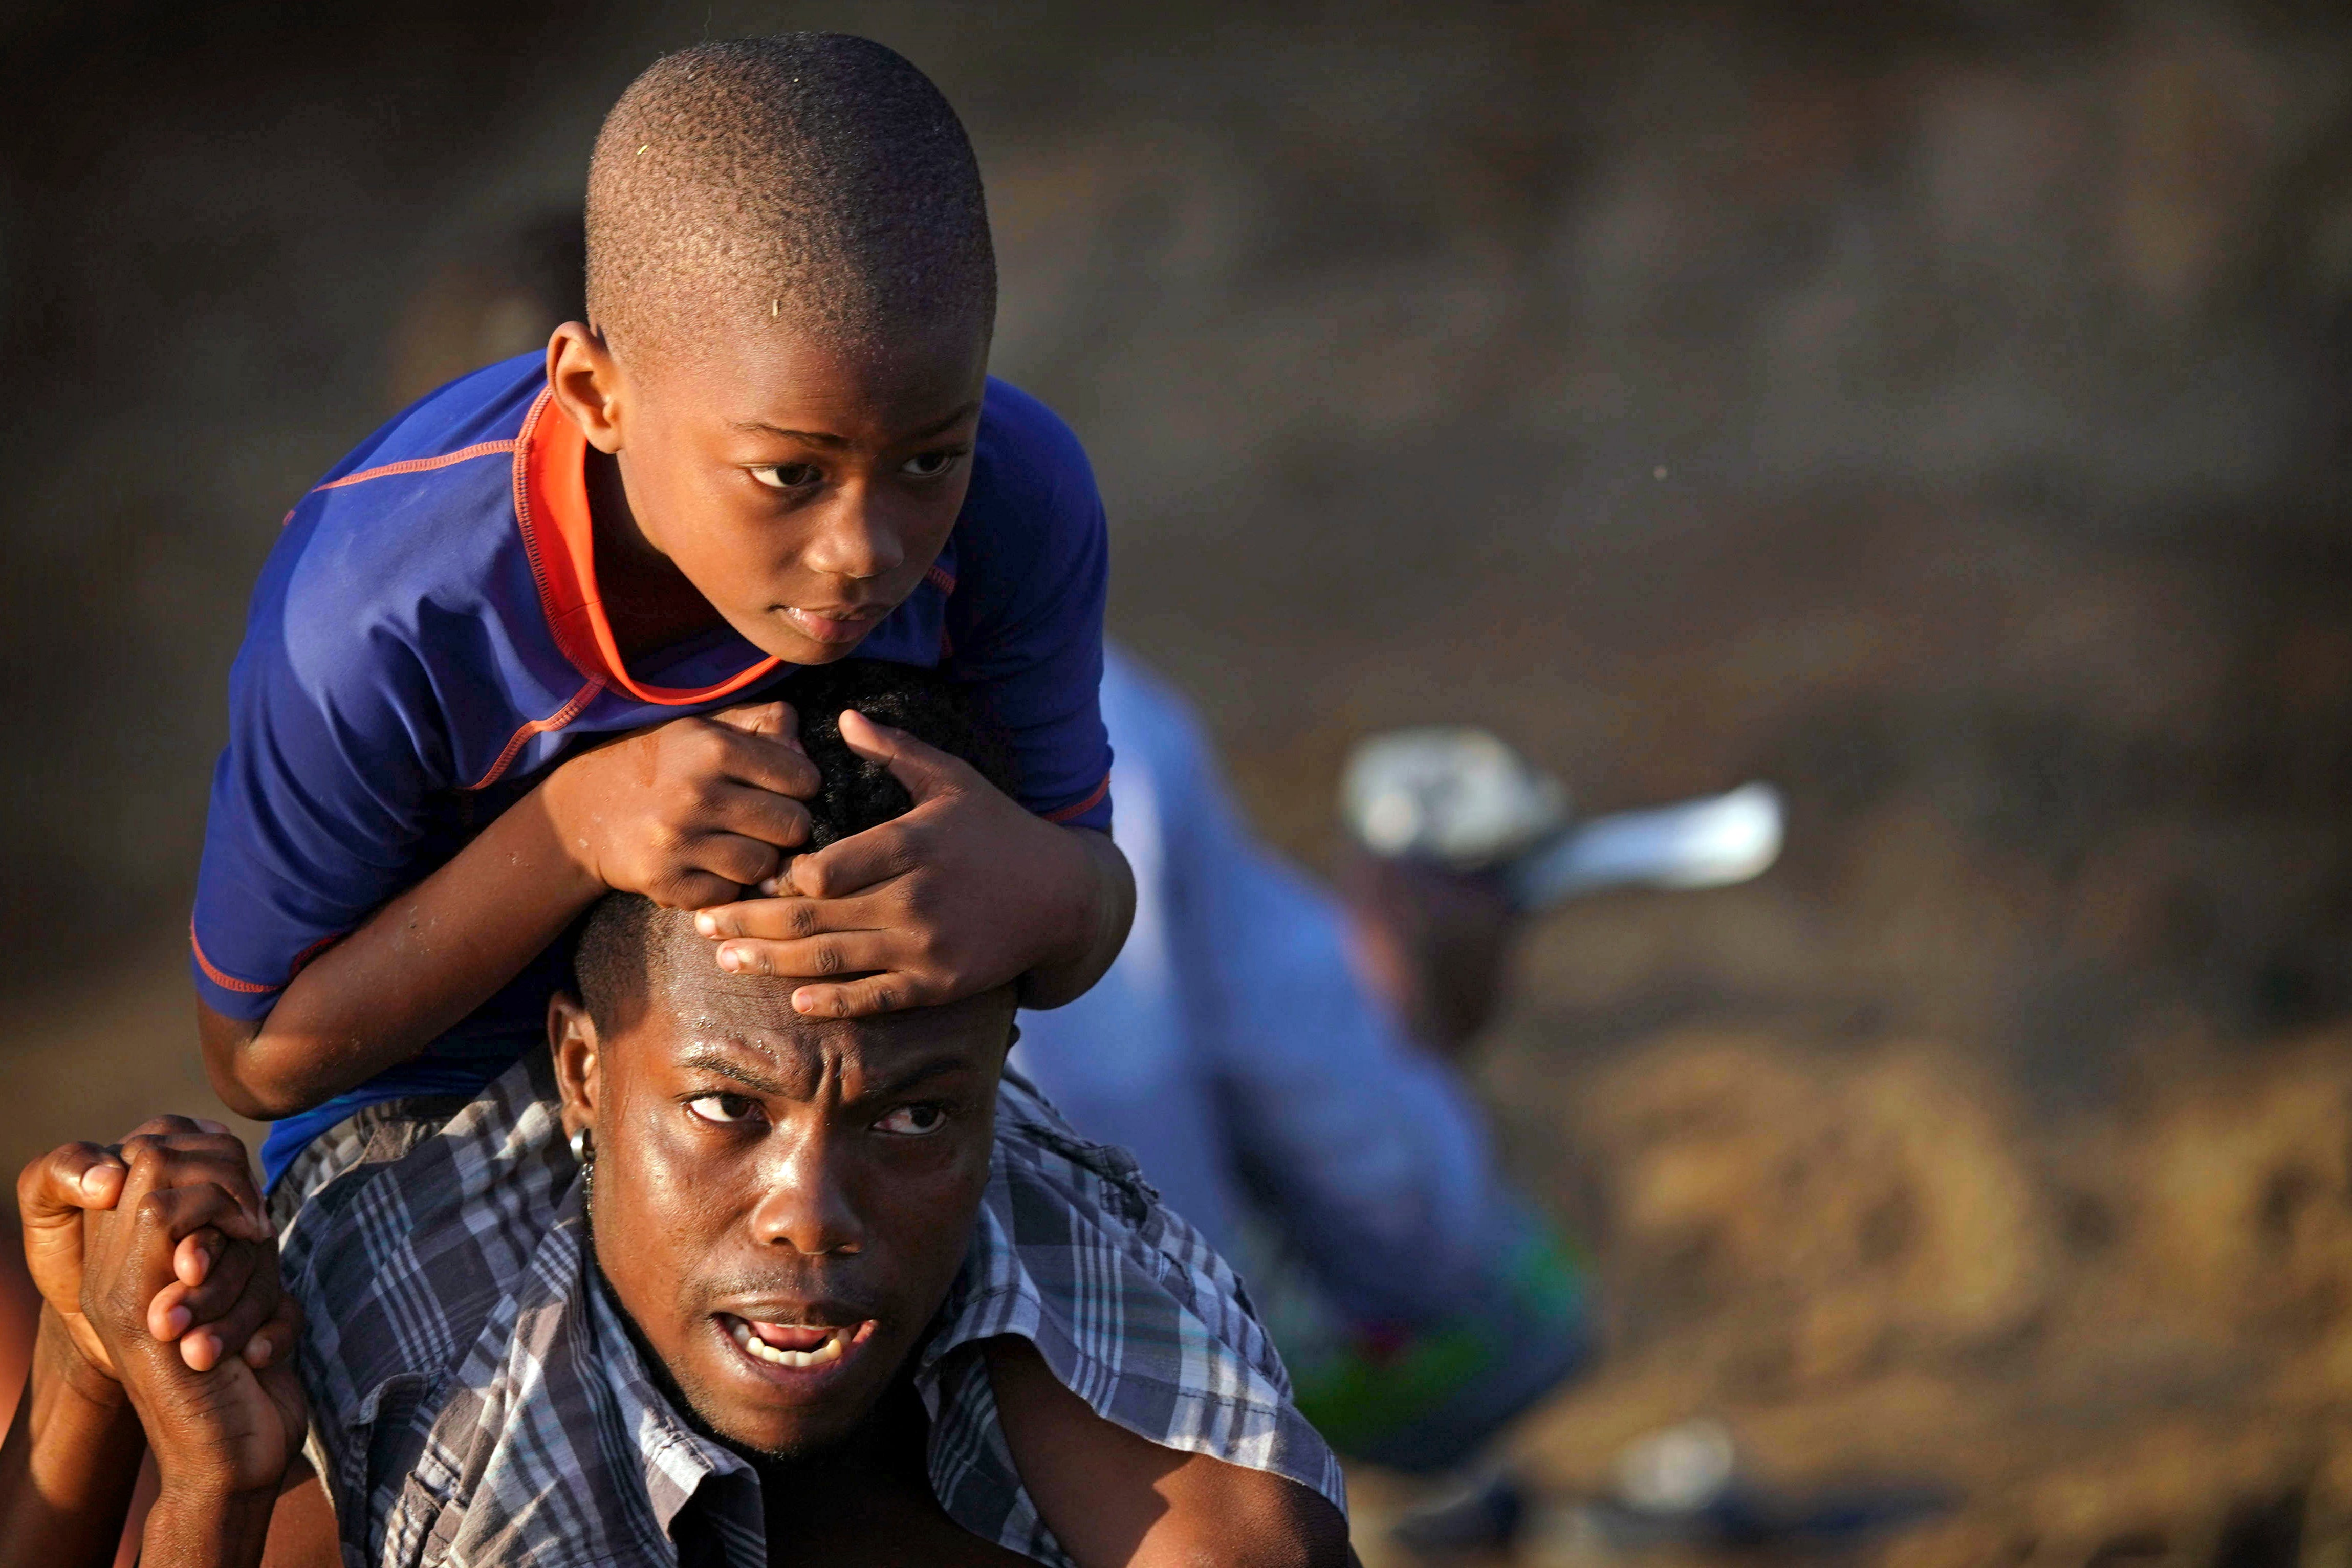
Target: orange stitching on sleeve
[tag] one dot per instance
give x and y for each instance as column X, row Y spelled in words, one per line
column 419, row 465
column 226, row 981
column 555, row 721
column 302, row 958
column 1069, row 811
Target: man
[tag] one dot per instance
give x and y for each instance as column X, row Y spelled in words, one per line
column 713, row 1281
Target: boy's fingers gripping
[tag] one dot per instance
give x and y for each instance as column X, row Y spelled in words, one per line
column 776, row 821
column 222, row 1331
column 761, row 761
column 789, row 918
column 184, row 1304
column 275, row 1340
column 925, row 770
column 714, row 870
column 777, row 721
column 175, row 1160
column 815, row 957
column 886, row 992
column 193, row 1259
column 54, row 1188
column 848, row 865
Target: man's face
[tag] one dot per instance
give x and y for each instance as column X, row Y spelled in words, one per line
column 779, row 1204
column 801, row 486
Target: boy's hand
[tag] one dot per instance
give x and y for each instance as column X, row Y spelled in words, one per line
column 965, row 892
column 689, row 813
column 231, row 1428
column 224, row 1273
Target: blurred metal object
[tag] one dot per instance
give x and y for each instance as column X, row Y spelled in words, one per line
column 1685, row 1470
column 1451, row 794
column 1712, row 843
column 1463, row 798
column 1687, row 1484
column 1483, row 1512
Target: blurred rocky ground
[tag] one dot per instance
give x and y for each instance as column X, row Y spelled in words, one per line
column 1943, row 411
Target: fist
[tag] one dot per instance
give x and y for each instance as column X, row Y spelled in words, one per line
column 213, row 1264
column 219, row 1423
column 689, row 813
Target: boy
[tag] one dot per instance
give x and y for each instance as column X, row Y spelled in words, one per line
column 768, row 446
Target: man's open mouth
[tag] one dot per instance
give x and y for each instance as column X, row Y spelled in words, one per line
column 794, row 1346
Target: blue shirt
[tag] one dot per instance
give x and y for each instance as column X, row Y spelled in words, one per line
column 426, row 641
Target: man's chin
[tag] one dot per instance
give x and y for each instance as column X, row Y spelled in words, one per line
column 782, row 1412
column 804, row 1435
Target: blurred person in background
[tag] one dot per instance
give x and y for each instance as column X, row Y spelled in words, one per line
column 1279, row 1065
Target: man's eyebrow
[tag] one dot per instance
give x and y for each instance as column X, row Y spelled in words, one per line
column 922, row 1072
column 821, row 438
column 727, row 1064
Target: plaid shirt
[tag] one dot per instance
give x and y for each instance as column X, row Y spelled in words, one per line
column 477, row 1399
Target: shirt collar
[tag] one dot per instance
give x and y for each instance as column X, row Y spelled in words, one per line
column 550, row 497
column 679, row 1462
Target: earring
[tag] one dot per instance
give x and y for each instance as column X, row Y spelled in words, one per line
column 584, row 1149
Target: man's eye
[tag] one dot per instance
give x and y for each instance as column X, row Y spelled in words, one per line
column 787, row 476
column 913, row 1120
column 930, row 465
column 724, row 1109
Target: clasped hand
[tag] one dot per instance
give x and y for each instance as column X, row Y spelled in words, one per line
column 156, row 1259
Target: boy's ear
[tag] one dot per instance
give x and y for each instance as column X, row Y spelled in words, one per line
column 571, row 1037
column 586, row 382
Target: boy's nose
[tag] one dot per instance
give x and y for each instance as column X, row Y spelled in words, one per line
column 854, row 538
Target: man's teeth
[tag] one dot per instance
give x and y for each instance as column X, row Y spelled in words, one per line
column 824, row 1355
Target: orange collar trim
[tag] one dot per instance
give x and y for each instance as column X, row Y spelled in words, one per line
column 551, row 496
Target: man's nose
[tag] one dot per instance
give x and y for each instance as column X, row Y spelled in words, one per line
column 856, row 536
column 807, row 1204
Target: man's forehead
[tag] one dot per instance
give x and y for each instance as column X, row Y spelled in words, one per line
column 763, row 1035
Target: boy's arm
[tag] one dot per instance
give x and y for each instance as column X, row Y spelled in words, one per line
column 1112, row 1498
column 687, row 812
column 70, row 1460
column 967, row 892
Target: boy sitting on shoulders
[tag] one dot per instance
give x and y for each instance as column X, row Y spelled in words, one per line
column 536, row 639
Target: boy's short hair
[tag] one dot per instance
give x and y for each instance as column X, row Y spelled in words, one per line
column 813, row 179
column 627, row 943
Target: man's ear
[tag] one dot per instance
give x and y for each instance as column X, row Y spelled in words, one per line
column 586, row 381
column 571, row 1037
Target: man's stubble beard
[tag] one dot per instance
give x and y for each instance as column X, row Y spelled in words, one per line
column 681, row 1398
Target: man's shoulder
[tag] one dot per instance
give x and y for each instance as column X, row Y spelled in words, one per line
column 1129, row 1308
column 411, row 1231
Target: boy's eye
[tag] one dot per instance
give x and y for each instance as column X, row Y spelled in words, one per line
column 787, row 476
column 727, row 1109
column 930, row 465
column 913, row 1120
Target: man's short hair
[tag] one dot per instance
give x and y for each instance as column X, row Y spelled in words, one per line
column 629, row 944
column 813, row 179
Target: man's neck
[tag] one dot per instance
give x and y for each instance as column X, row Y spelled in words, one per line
column 869, row 1499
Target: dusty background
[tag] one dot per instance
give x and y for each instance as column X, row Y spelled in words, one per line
column 1941, row 410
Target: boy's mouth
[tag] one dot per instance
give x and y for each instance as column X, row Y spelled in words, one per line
column 836, row 626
